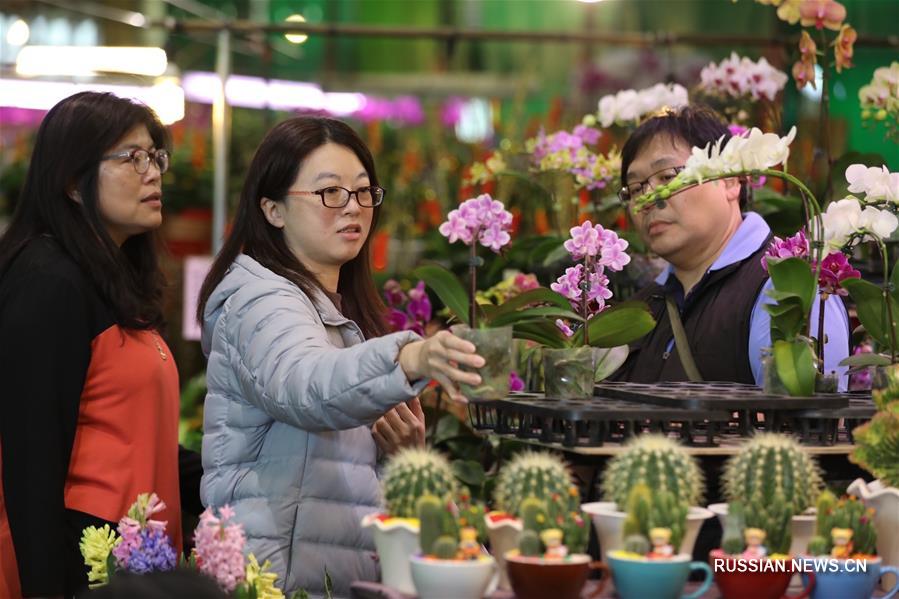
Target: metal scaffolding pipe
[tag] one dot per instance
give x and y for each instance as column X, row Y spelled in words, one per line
column 221, row 124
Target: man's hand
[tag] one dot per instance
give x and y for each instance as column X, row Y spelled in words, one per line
column 402, row 426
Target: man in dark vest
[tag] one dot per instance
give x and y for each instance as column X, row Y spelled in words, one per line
column 714, row 282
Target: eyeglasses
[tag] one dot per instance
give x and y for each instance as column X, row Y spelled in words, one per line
column 338, row 197
column 638, row 188
column 140, row 158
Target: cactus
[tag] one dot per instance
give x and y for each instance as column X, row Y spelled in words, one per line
column 774, row 519
column 647, row 510
column 637, row 544
column 432, row 517
column 412, row 473
column 877, row 445
column 445, row 547
column 543, row 476
column 852, row 513
column 824, row 521
column 734, row 523
column 659, row 463
column 818, row 545
column 533, row 514
column 776, row 479
column 529, row 543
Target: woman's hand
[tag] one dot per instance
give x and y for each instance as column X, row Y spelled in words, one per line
column 402, row 426
column 438, row 357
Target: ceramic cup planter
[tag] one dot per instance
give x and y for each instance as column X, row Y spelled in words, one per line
column 848, row 582
column 609, row 523
column 885, row 501
column 802, row 526
column 460, row 579
column 737, row 580
column 638, row 577
column 396, row 540
column 568, row 373
column 495, row 346
column 503, row 531
column 540, row 578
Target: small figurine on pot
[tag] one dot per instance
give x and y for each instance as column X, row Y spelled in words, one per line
column 754, row 538
column 552, row 539
column 661, row 544
column 842, row 543
column 469, row 547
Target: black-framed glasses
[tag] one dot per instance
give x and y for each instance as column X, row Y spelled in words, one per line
column 141, row 158
column 638, row 188
column 338, row 197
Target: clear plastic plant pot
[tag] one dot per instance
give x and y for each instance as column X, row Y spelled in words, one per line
column 495, row 346
column 568, row 373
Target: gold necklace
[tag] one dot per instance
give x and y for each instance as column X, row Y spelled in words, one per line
column 161, row 351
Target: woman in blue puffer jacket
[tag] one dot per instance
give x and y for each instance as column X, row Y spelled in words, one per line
column 304, row 387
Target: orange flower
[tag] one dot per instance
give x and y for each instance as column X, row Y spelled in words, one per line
column 804, row 73
column 843, row 47
column 822, row 13
column 807, row 48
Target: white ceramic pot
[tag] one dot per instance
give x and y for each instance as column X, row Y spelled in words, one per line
column 440, row 578
column 802, row 527
column 503, row 534
column 609, row 523
column 885, row 500
column 396, row 540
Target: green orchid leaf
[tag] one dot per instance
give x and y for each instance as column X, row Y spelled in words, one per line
column 872, row 312
column 862, row 360
column 608, row 360
column 794, row 275
column 540, row 313
column 543, row 332
column 618, row 325
column 447, row 287
column 795, row 365
column 540, row 295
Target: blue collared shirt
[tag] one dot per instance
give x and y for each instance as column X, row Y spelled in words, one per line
column 748, row 238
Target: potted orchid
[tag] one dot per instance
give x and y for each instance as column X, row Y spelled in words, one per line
column 741, row 82
column 570, row 371
column 880, row 100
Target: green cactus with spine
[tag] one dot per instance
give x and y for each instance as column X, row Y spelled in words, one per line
column 658, row 462
column 776, row 479
column 532, row 474
column 818, row 545
column 529, row 544
column 415, row 472
column 445, row 547
column 827, row 501
column 637, row 543
column 849, row 513
column 732, row 538
column 647, row 510
column 435, row 522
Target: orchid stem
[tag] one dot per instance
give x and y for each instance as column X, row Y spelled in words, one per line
column 820, row 341
column 473, row 283
column 887, row 299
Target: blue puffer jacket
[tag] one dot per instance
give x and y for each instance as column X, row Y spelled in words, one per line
column 292, row 391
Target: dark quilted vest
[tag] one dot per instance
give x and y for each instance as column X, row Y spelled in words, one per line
column 716, row 319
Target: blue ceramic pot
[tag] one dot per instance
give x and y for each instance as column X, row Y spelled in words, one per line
column 848, row 579
column 659, row 579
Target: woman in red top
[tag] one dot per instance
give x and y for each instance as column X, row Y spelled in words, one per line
column 89, row 400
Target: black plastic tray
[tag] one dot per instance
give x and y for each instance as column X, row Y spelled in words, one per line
column 715, row 396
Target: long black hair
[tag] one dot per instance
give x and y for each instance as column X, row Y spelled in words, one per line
column 72, row 138
column 273, row 170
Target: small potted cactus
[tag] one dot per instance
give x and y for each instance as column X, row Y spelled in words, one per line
column 530, row 475
column 550, row 559
column 772, row 467
column 845, row 531
column 661, row 464
column 648, row 565
column 741, row 543
column 408, row 475
column 452, row 561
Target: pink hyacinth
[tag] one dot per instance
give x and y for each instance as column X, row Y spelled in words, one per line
column 835, row 269
column 791, row 247
column 483, row 219
column 219, row 545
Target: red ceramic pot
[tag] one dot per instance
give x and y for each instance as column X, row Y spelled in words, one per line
column 539, row 578
column 737, row 578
